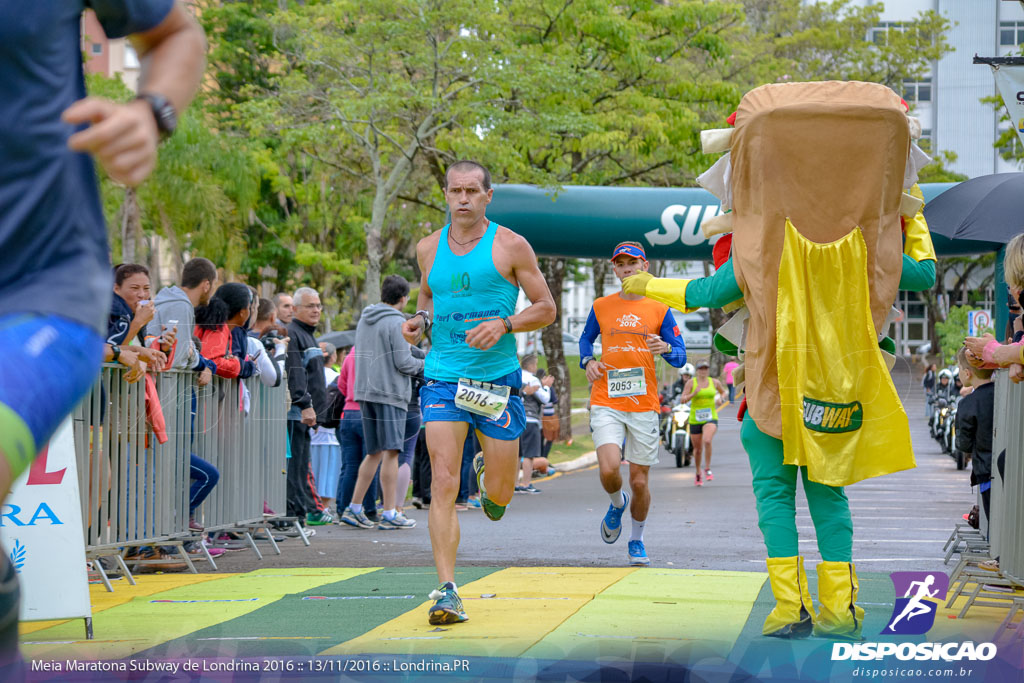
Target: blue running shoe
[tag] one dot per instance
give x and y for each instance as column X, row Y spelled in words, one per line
column 447, row 608
column 493, row 511
column 611, row 525
column 637, row 554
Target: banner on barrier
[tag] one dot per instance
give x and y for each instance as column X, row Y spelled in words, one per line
column 1010, row 82
column 41, row 530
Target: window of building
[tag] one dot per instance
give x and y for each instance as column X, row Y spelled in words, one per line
column 97, row 48
column 917, row 91
column 1011, row 33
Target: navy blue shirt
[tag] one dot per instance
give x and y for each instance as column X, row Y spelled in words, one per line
column 53, row 242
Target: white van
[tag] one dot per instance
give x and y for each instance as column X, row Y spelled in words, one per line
column 695, row 328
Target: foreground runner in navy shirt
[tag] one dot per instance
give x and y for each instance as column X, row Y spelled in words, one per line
column 55, row 271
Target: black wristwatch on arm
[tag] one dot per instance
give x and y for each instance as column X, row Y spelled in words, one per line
column 163, row 111
column 586, row 361
column 116, row 350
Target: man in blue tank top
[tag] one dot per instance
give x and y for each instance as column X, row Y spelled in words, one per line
column 471, row 271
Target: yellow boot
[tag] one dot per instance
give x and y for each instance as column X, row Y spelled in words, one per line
column 839, row 616
column 793, row 616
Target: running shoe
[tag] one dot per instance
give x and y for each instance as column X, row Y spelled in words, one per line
column 473, row 503
column 531, row 489
column 611, row 525
column 708, row 476
column 520, row 489
column 319, row 518
column 356, row 519
column 638, row 555
column 447, row 608
column 697, row 481
column 399, row 521
column 493, row 511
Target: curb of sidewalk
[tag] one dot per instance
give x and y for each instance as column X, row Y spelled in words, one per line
column 584, row 461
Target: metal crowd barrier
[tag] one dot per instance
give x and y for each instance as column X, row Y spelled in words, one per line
column 1008, row 499
column 135, row 490
column 1006, row 504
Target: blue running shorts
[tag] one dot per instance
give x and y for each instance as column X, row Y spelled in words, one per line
column 49, row 364
column 437, row 402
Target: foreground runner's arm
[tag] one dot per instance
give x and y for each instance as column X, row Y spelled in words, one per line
column 541, row 311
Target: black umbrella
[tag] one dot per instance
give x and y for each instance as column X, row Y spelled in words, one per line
column 988, row 208
column 341, row 339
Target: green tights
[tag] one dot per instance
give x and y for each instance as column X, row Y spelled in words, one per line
column 775, row 491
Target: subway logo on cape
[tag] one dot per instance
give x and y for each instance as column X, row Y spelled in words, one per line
column 832, row 418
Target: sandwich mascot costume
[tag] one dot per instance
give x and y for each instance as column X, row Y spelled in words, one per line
column 819, row 194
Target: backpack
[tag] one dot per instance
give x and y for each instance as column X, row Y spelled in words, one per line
column 331, row 417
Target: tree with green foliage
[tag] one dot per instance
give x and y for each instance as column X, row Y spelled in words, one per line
column 952, row 332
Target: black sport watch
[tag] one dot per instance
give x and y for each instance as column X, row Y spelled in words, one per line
column 163, row 111
column 116, row 351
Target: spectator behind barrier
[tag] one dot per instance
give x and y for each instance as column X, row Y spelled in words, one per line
column 974, row 418
column 986, row 351
column 284, row 309
column 132, row 283
column 308, row 391
column 175, row 307
column 227, row 309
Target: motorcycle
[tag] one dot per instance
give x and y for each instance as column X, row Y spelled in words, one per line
column 949, row 437
column 679, row 435
column 675, row 433
column 937, row 424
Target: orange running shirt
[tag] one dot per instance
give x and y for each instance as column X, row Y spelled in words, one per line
column 623, row 327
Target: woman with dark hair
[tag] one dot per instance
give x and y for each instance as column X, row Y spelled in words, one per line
column 227, row 309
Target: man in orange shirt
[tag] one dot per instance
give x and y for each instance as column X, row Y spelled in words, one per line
column 624, row 392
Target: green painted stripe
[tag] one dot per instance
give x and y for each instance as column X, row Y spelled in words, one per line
column 300, row 627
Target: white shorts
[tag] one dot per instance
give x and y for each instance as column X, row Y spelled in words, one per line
column 638, row 430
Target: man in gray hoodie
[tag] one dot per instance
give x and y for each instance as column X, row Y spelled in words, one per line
column 384, row 364
column 175, row 307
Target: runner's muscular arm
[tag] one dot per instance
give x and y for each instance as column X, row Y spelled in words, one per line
column 518, row 257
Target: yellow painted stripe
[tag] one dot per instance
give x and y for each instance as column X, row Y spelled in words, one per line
column 528, row 603
column 146, row 584
column 652, row 614
column 141, row 624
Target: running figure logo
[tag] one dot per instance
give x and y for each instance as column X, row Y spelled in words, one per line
column 914, row 613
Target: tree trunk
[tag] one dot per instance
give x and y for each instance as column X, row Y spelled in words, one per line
column 131, row 227
column 374, row 255
column 551, row 337
column 600, row 273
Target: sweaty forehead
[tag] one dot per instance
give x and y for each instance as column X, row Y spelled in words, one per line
column 473, row 178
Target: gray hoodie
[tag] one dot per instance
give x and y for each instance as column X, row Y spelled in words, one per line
column 172, row 303
column 384, row 360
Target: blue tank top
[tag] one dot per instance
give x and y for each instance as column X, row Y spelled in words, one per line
column 467, row 291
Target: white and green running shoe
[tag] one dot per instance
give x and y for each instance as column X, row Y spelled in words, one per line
column 447, row 608
column 493, row 511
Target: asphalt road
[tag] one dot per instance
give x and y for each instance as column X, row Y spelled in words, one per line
column 900, row 521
